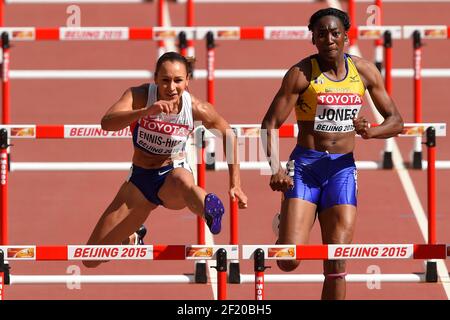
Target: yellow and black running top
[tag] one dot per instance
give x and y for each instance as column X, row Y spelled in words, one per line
column 331, row 104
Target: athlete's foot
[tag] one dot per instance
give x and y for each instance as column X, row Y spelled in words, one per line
column 140, row 234
column 137, row 238
column 214, row 211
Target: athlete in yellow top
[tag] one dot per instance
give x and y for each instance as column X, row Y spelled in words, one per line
column 331, row 104
column 326, row 91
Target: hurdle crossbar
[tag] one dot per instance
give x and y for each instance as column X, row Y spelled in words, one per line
column 205, row 252
column 121, row 252
column 264, row 166
column 318, row 278
column 73, row 1
column 348, row 251
column 219, row 33
column 217, row 166
column 99, row 279
column 187, row 278
column 69, row 166
column 33, row 131
column 198, row 74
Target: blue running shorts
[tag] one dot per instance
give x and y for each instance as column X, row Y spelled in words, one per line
column 149, row 181
column 323, row 178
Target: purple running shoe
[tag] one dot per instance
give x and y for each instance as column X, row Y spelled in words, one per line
column 214, row 211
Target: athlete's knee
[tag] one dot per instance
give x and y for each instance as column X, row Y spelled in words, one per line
column 288, row 265
column 334, row 270
column 182, row 178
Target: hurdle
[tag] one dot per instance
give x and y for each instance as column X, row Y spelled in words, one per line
column 95, row 132
column 220, row 253
column 110, row 252
column 337, row 252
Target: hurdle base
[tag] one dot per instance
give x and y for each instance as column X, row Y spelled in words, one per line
column 200, row 272
column 417, row 160
column 431, row 273
column 4, row 269
column 234, row 275
column 387, row 160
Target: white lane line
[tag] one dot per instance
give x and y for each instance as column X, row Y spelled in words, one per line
column 209, row 240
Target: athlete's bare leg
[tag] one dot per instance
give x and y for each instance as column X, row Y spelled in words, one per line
column 296, row 220
column 180, row 191
column 337, row 226
column 126, row 213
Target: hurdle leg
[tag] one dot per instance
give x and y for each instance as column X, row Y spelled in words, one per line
column 4, row 275
column 200, row 266
column 221, row 268
column 259, row 273
column 200, row 272
column 235, row 272
column 387, row 155
column 431, row 271
column 417, row 61
column 417, row 154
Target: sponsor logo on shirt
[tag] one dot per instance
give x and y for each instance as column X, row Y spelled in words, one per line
column 335, row 112
column 354, row 79
column 160, row 137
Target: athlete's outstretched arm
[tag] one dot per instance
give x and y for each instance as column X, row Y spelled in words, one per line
column 130, row 107
column 279, row 110
column 393, row 122
column 211, row 119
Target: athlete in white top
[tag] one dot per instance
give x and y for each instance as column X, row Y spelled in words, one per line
column 164, row 134
column 161, row 117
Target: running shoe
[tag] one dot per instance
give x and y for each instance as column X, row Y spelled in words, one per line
column 214, row 211
column 140, row 234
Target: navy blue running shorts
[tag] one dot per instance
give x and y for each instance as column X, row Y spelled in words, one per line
column 149, row 181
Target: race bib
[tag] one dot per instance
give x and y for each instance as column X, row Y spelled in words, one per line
column 161, row 137
column 335, row 112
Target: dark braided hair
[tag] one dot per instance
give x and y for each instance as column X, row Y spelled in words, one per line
column 341, row 15
column 175, row 56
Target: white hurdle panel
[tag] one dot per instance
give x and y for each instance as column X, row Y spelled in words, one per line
column 115, row 252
